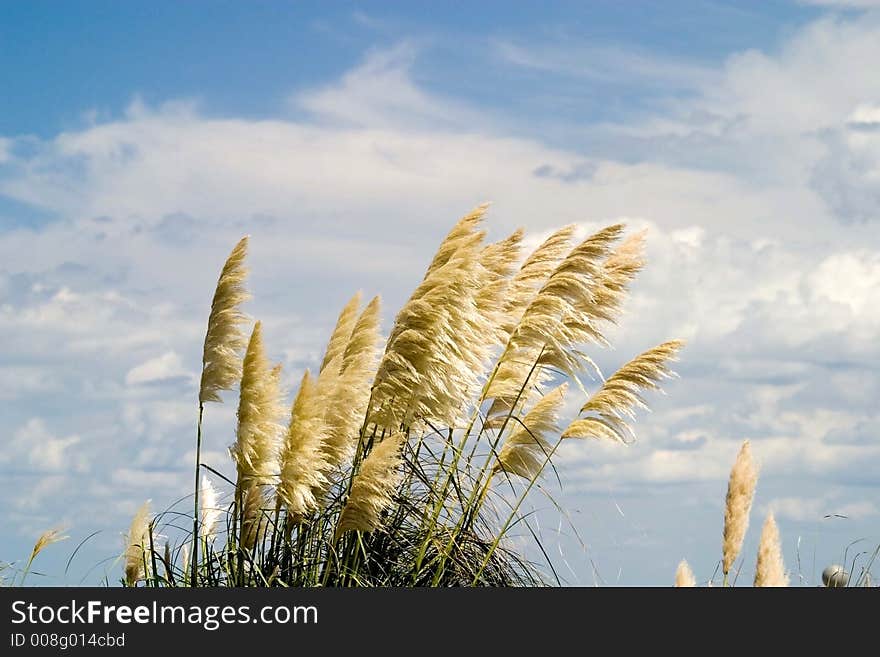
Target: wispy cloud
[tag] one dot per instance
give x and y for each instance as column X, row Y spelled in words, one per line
column 609, row 64
column 843, row 4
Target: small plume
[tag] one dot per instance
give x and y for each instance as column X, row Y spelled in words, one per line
column 209, row 510
column 462, row 234
column 684, row 576
column 498, row 263
column 303, row 459
column 429, row 363
column 740, row 492
column 253, row 522
column 225, row 339
column 137, row 548
column 770, row 569
column 260, row 411
column 46, row 539
column 342, row 333
column 347, row 403
column 618, row 271
column 526, row 450
column 534, row 272
column 373, row 486
column 553, row 324
column 617, row 400
column 184, row 558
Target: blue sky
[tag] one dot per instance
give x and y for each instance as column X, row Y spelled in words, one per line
column 138, row 141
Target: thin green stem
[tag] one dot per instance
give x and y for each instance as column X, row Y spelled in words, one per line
column 195, row 539
column 514, row 510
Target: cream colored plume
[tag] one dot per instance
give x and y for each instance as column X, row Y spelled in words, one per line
column 534, row 272
column 260, row 411
column 225, row 339
column 342, row 332
column 618, row 271
column 253, row 520
column 303, row 459
column 498, row 262
column 616, row 401
column 209, row 510
column 430, row 358
column 740, row 492
column 526, row 450
column 770, row 569
column 346, row 405
column 462, row 235
column 553, row 324
column 137, row 546
column 684, row 576
column 46, row 539
column 373, row 487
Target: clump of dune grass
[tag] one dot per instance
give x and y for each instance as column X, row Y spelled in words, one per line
column 406, row 460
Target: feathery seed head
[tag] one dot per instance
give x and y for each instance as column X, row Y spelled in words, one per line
column 303, row 460
column 225, row 339
column 46, row 539
column 615, row 403
column 525, row 451
column 349, row 397
column 342, row 331
column 432, row 357
column 260, row 411
column 253, row 521
column 770, row 569
column 137, row 545
column 461, row 234
column 684, row 576
column 547, row 329
column 209, row 510
column 740, row 492
column 373, row 487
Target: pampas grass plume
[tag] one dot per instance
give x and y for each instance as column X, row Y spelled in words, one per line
column 740, row 492
column 770, row 569
column 373, row 487
column 684, row 576
column 525, row 452
column 260, row 411
column 46, row 539
column 209, row 510
column 303, row 458
column 137, row 545
column 617, row 400
column 224, row 339
column 342, row 332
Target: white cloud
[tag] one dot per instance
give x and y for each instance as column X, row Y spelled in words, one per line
column 380, row 93
column 806, row 509
column 34, row 446
column 610, row 64
column 166, row 366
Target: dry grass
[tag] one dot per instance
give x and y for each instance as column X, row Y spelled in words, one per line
column 388, row 468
